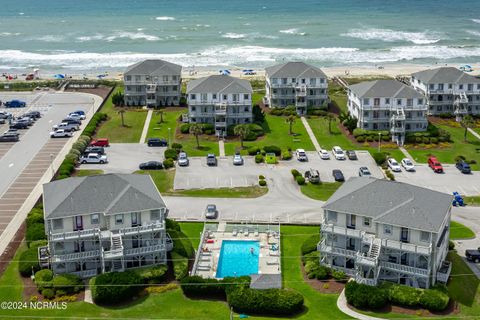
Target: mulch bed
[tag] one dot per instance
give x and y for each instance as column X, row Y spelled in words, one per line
column 321, row 286
column 11, row 249
column 452, row 309
column 30, row 290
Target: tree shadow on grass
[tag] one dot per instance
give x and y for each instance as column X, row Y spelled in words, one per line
column 266, row 127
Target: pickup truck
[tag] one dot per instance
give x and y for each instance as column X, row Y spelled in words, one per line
column 473, row 255
column 66, row 126
column 60, row 133
column 435, row 165
column 15, row 104
column 93, row 158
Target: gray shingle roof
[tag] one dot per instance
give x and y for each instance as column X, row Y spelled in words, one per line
column 294, row 70
column 154, row 68
column 444, row 75
column 109, row 194
column 384, row 89
column 219, row 84
column 390, row 202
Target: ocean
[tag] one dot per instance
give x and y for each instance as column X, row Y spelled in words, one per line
column 103, row 35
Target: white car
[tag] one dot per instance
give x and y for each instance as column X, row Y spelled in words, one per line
column 66, row 126
column 77, row 115
column 393, row 165
column 324, row 154
column 338, row 153
column 301, row 155
column 60, row 133
column 93, row 158
column 182, row 159
column 408, row 165
column 237, row 160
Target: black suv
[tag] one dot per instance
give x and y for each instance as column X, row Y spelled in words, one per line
column 99, row 150
column 9, row 137
column 72, row 121
column 157, row 142
column 33, row 114
column 19, row 125
column 351, row 155
column 463, row 166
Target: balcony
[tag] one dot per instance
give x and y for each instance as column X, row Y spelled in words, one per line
column 85, row 273
column 76, row 256
column 405, row 269
column 221, row 110
column 397, row 129
column 74, row 235
column 367, row 281
column 300, row 104
column 444, row 272
column 323, row 247
column 220, row 124
column 112, row 254
column 144, row 250
column 151, row 88
column 150, row 227
column 393, row 244
column 365, row 260
column 341, row 230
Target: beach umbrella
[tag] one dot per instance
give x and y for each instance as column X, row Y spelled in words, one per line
column 59, row 76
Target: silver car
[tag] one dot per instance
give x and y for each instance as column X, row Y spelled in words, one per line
column 182, row 159
column 237, row 160
column 211, row 211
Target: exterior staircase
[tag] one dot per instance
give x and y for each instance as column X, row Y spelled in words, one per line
column 116, row 242
column 375, row 247
column 461, row 105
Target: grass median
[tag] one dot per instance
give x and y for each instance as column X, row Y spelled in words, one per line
column 321, row 191
column 459, row 231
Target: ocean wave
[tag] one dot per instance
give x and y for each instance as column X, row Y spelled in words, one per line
column 50, row 38
column 119, row 35
column 232, row 35
column 165, row 18
column 249, row 36
column 389, row 35
column 9, row 34
column 253, row 56
column 476, row 20
column 293, row 31
column 473, row 32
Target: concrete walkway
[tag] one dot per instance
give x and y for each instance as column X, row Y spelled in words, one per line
column 88, row 296
column 146, row 125
column 474, row 133
column 342, row 305
column 310, row 133
column 221, row 148
column 407, row 154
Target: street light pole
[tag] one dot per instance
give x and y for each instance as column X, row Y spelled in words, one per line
column 169, row 139
column 379, row 140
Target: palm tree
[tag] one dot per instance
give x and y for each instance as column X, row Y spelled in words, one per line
column 330, row 118
column 196, row 130
column 291, row 120
column 160, row 112
column 121, row 113
column 467, row 122
column 241, row 130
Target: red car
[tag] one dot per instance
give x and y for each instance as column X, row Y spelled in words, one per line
column 435, row 164
column 103, row 142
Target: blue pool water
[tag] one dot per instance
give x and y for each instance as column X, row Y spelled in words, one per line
column 237, row 259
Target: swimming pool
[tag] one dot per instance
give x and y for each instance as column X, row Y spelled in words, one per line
column 237, row 258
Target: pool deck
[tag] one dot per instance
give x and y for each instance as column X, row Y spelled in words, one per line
column 209, row 250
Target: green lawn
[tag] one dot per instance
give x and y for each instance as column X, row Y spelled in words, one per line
column 113, row 129
column 458, row 147
column 208, row 144
column 337, row 95
column 276, row 133
column 160, row 130
column 321, row 191
column 472, row 200
column 86, row 172
column 163, row 179
column 458, row 231
column 327, row 140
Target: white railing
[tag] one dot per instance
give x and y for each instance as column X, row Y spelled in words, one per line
column 393, row 244
column 361, row 259
column 110, row 254
column 200, row 245
column 74, row 234
column 75, row 256
column 369, row 282
column 86, row 273
column 150, row 227
column 220, row 124
column 323, row 247
column 444, row 272
column 403, row 268
column 144, row 250
column 341, row 230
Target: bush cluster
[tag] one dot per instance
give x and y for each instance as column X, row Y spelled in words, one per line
column 180, row 265
column 317, row 112
column 60, row 285
column 362, row 135
column 35, row 226
column 362, row 296
column 379, row 157
column 182, row 250
column 259, row 158
column 252, row 151
column 28, row 262
column 300, row 180
column 93, row 124
column 261, row 181
column 115, row 287
column 390, row 175
column 153, row 274
column 185, row 128
column 171, row 154
column 168, row 163
column 295, row 173
column 273, row 149
column 310, row 244
column 288, row 111
column 286, row 155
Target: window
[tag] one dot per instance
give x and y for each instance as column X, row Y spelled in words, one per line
column 246, row 96
column 431, row 86
column 78, row 223
column 94, row 218
column 295, row 80
column 322, row 80
column 376, row 101
column 274, row 80
column 409, row 102
column 366, row 101
column 332, row 216
column 440, row 86
column 193, row 96
column 235, row 97
column 399, row 102
column 204, row 97
column 119, row 219
column 424, row 236
column 138, row 78
column 174, row 78
column 247, row 109
column 366, row 222
column 128, row 78
column 460, row 86
column 57, row 224
column 420, row 101
column 192, row 108
column 450, row 86
column 312, row 81
column 154, row 215
column 225, row 97
column 165, row 78
column 214, row 96
column 174, row 88
column 387, row 229
column 387, row 100
column 135, row 219
column 284, row 80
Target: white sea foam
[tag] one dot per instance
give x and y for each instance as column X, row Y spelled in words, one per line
column 248, row 36
column 473, row 32
column 164, row 18
column 119, row 35
column 9, row 34
column 91, row 38
column 293, row 31
column 232, row 35
column 476, row 20
column 50, row 38
column 389, row 35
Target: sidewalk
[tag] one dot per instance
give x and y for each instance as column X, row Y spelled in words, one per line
column 407, row 154
column 474, row 133
column 311, row 135
column 221, row 148
column 342, row 305
column 145, row 126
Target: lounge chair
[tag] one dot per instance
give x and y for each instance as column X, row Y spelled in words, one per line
column 256, row 233
column 272, row 262
column 246, row 233
column 274, row 253
column 205, row 258
column 234, row 232
column 203, row 268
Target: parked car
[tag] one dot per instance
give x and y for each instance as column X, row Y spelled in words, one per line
column 364, row 172
column 101, row 142
column 301, row 155
column 157, row 142
column 338, row 175
column 211, row 160
column 80, row 112
column 435, row 164
column 29, row 121
column 15, row 104
column 211, row 211
column 9, row 137
column 93, row 158
column 351, row 155
column 72, row 121
column 313, row 176
column 393, row 165
column 76, row 115
column 237, row 160
column 324, row 154
column 150, row 165
column 2, row 121
column 61, row 133
column 473, row 255
column 65, row 126
column 183, row 159
column 407, row 164
column 338, row 153
column 18, row 125
column 99, row 150
column 33, row 114
column 463, row 166
column 5, row 115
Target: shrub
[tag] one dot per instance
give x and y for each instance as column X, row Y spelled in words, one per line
column 208, row 128
column 286, row 155
column 323, row 272
column 38, row 243
column 35, row 232
column 261, row 177
column 300, row 180
column 434, row 140
column 177, row 146
column 364, row 296
column 295, row 173
column 273, row 149
column 312, row 268
column 379, row 158
column 251, row 136
column 180, row 265
column 451, row 245
column 257, row 129
column 170, row 154
column 181, row 244
column 172, row 225
column 115, row 287
column 434, row 300
column 253, row 151
column 185, row 128
column 360, row 139
column 310, row 244
column 198, row 286
column 66, row 284
column 259, row 158
column 339, row 275
column 43, row 279
column 153, row 274
column 357, row 132
column 312, row 256
column 404, row 295
column 28, row 262
column 168, row 163
column 262, row 183
column 34, row 216
column 48, row 293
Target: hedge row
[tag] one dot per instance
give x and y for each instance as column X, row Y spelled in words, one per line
column 182, row 249
column 155, row 274
column 93, row 124
column 207, row 128
column 115, row 287
column 288, row 111
column 35, row 226
column 180, row 265
column 60, row 285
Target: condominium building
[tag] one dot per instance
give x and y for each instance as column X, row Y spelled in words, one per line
column 296, row 84
column 220, row 100
column 104, row 223
column 380, row 230
column 153, row 83
column 448, row 91
column 388, row 105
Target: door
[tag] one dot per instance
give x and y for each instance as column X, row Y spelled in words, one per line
column 78, row 223
column 404, row 235
column 351, row 221
column 135, row 219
